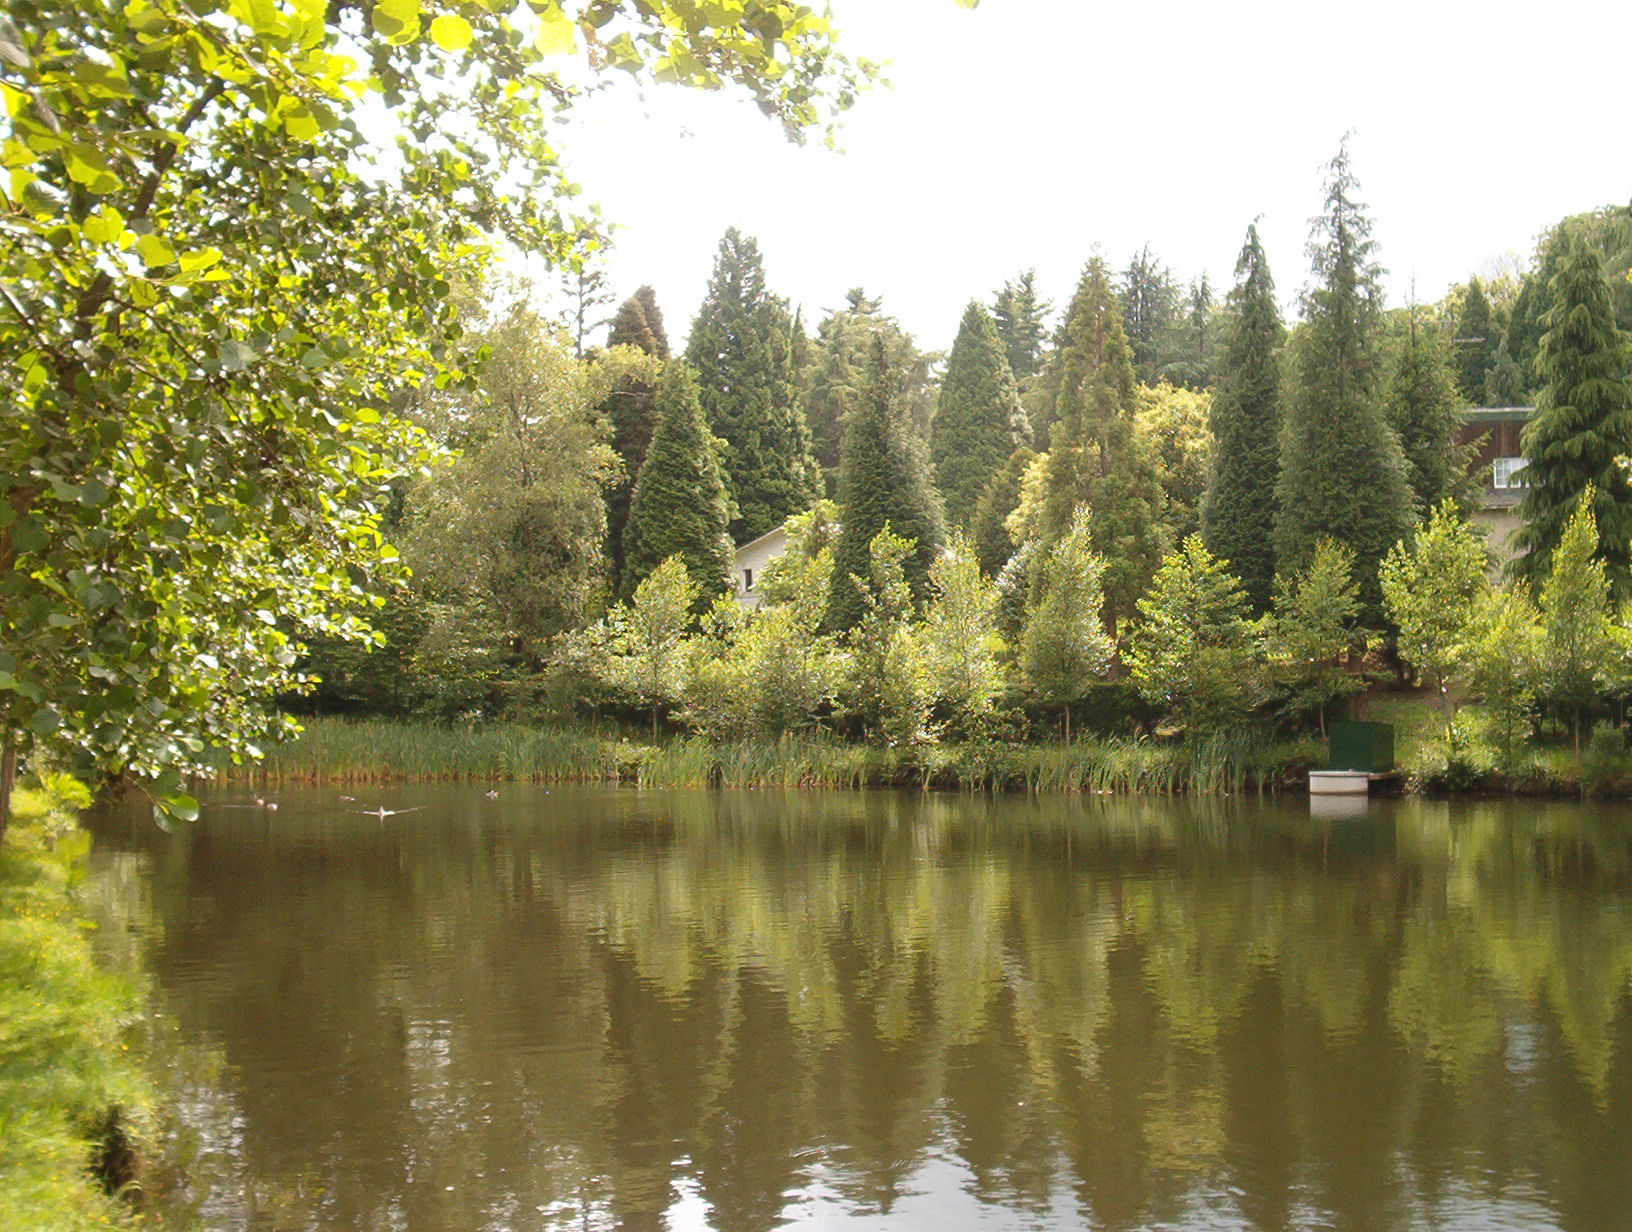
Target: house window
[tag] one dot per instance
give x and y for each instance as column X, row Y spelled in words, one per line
column 1507, row 473
column 747, row 579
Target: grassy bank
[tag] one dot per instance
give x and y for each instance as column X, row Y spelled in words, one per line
column 338, row 751
column 70, row 1096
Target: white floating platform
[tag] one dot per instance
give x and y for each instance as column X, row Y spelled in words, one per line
column 1339, row 782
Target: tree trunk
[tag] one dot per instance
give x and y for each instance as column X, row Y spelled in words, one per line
column 8, row 776
column 1068, row 724
column 654, row 724
column 1577, row 726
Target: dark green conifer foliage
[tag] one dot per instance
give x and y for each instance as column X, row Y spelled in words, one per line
column 679, row 504
column 1425, row 409
column 739, row 347
column 1524, row 332
column 647, row 299
column 978, row 420
column 630, row 408
column 999, row 499
column 1238, row 510
column 1343, row 474
column 1582, row 426
column 883, row 481
column 1476, row 344
column 1150, row 311
column 1096, row 457
column 1019, row 312
column 630, row 327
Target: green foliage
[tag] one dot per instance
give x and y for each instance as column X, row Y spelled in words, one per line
column 883, row 482
column 641, row 644
column 679, row 503
column 998, row 500
column 1019, row 314
column 1343, row 475
column 215, row 282
column 1431, row 591
column 978, row 421
column 1238, row 509
column 960, row 638
column 1505, row 664
column 1476, row 345
column 631, row 375
column 1582, row 427
column 891, row 686
column 1175, row 424
column 739, row 346
column 1065, row 645
column 65, row 1074
column 1096, row 457
column 1311, row 629
column 1425, row 411
column 1194, row 649
column 1151, row 308
column 1578, row 643
column 639, row 323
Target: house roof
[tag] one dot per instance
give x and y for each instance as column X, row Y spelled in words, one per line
column 1498, row 414
column 768, row 535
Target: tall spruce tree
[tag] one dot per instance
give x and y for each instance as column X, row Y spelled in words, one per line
column 1582, row 427
column 1476, row 343
column 679, row 503
column 1096, row 455
column 978, row 420
column 883, row 482
column 630, row 407
column 1019, row 313
column 739, row 346
column 1238, row 510
column 1425, row 409
column 1343, row 474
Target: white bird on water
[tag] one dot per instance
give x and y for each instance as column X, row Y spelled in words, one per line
column 382, row 812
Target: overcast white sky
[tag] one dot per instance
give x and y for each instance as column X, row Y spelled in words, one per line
column 1028, row 131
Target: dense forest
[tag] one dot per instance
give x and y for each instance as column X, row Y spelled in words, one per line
column 1155, row 507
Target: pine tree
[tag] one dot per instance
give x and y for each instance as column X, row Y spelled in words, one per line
column 1343, row 474
column 1476, row 343
column 1425, row 409
column 1019, row 313
column 1097, row 457
column 1238, row 510
column 978, row 420
column 1582, row 426
column 679, row 503
column 882, row 482
column 739, row 347
column 997, row 501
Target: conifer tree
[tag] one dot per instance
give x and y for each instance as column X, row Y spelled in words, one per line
column 978, row 420
column 1238, row 510
column 1582, row 427
column 1150, row 309
column 1425, row 409
column 1476, row 343
column 999, row 499
column 679, row 503
column 739, row 346
column 1097, row 457
column 1019, row 312
column 1064, row 646
column 1578, row 643
column 630, row 327
column 647, row 298
column 883, row 482
column 1342, row 471
column 630, row 408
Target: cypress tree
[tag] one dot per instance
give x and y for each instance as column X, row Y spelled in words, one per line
column 1096, row 456
column 1018, row 312
column 883, row 481
column 1342, row 471
column 1238, row 509
column 978, row 420
column 647, row 298
column 1476, row 344
column 999, row 499
column 679, row 503
column 739, row 347
column 1582, row 426
column 1425, row 409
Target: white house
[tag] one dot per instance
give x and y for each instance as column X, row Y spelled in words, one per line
column 752, row 557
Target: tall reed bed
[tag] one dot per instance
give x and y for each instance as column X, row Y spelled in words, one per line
column 333, row 750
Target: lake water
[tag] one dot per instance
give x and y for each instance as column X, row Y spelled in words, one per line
column 593, row 1008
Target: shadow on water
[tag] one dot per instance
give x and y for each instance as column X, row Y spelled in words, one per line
column 605, row 1008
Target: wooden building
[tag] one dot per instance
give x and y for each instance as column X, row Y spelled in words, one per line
column 1491, row 434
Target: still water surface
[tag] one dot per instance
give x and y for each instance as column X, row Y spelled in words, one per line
column 600, row 1008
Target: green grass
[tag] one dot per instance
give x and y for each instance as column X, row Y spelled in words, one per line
column 339, row 751
column 67, row 1083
